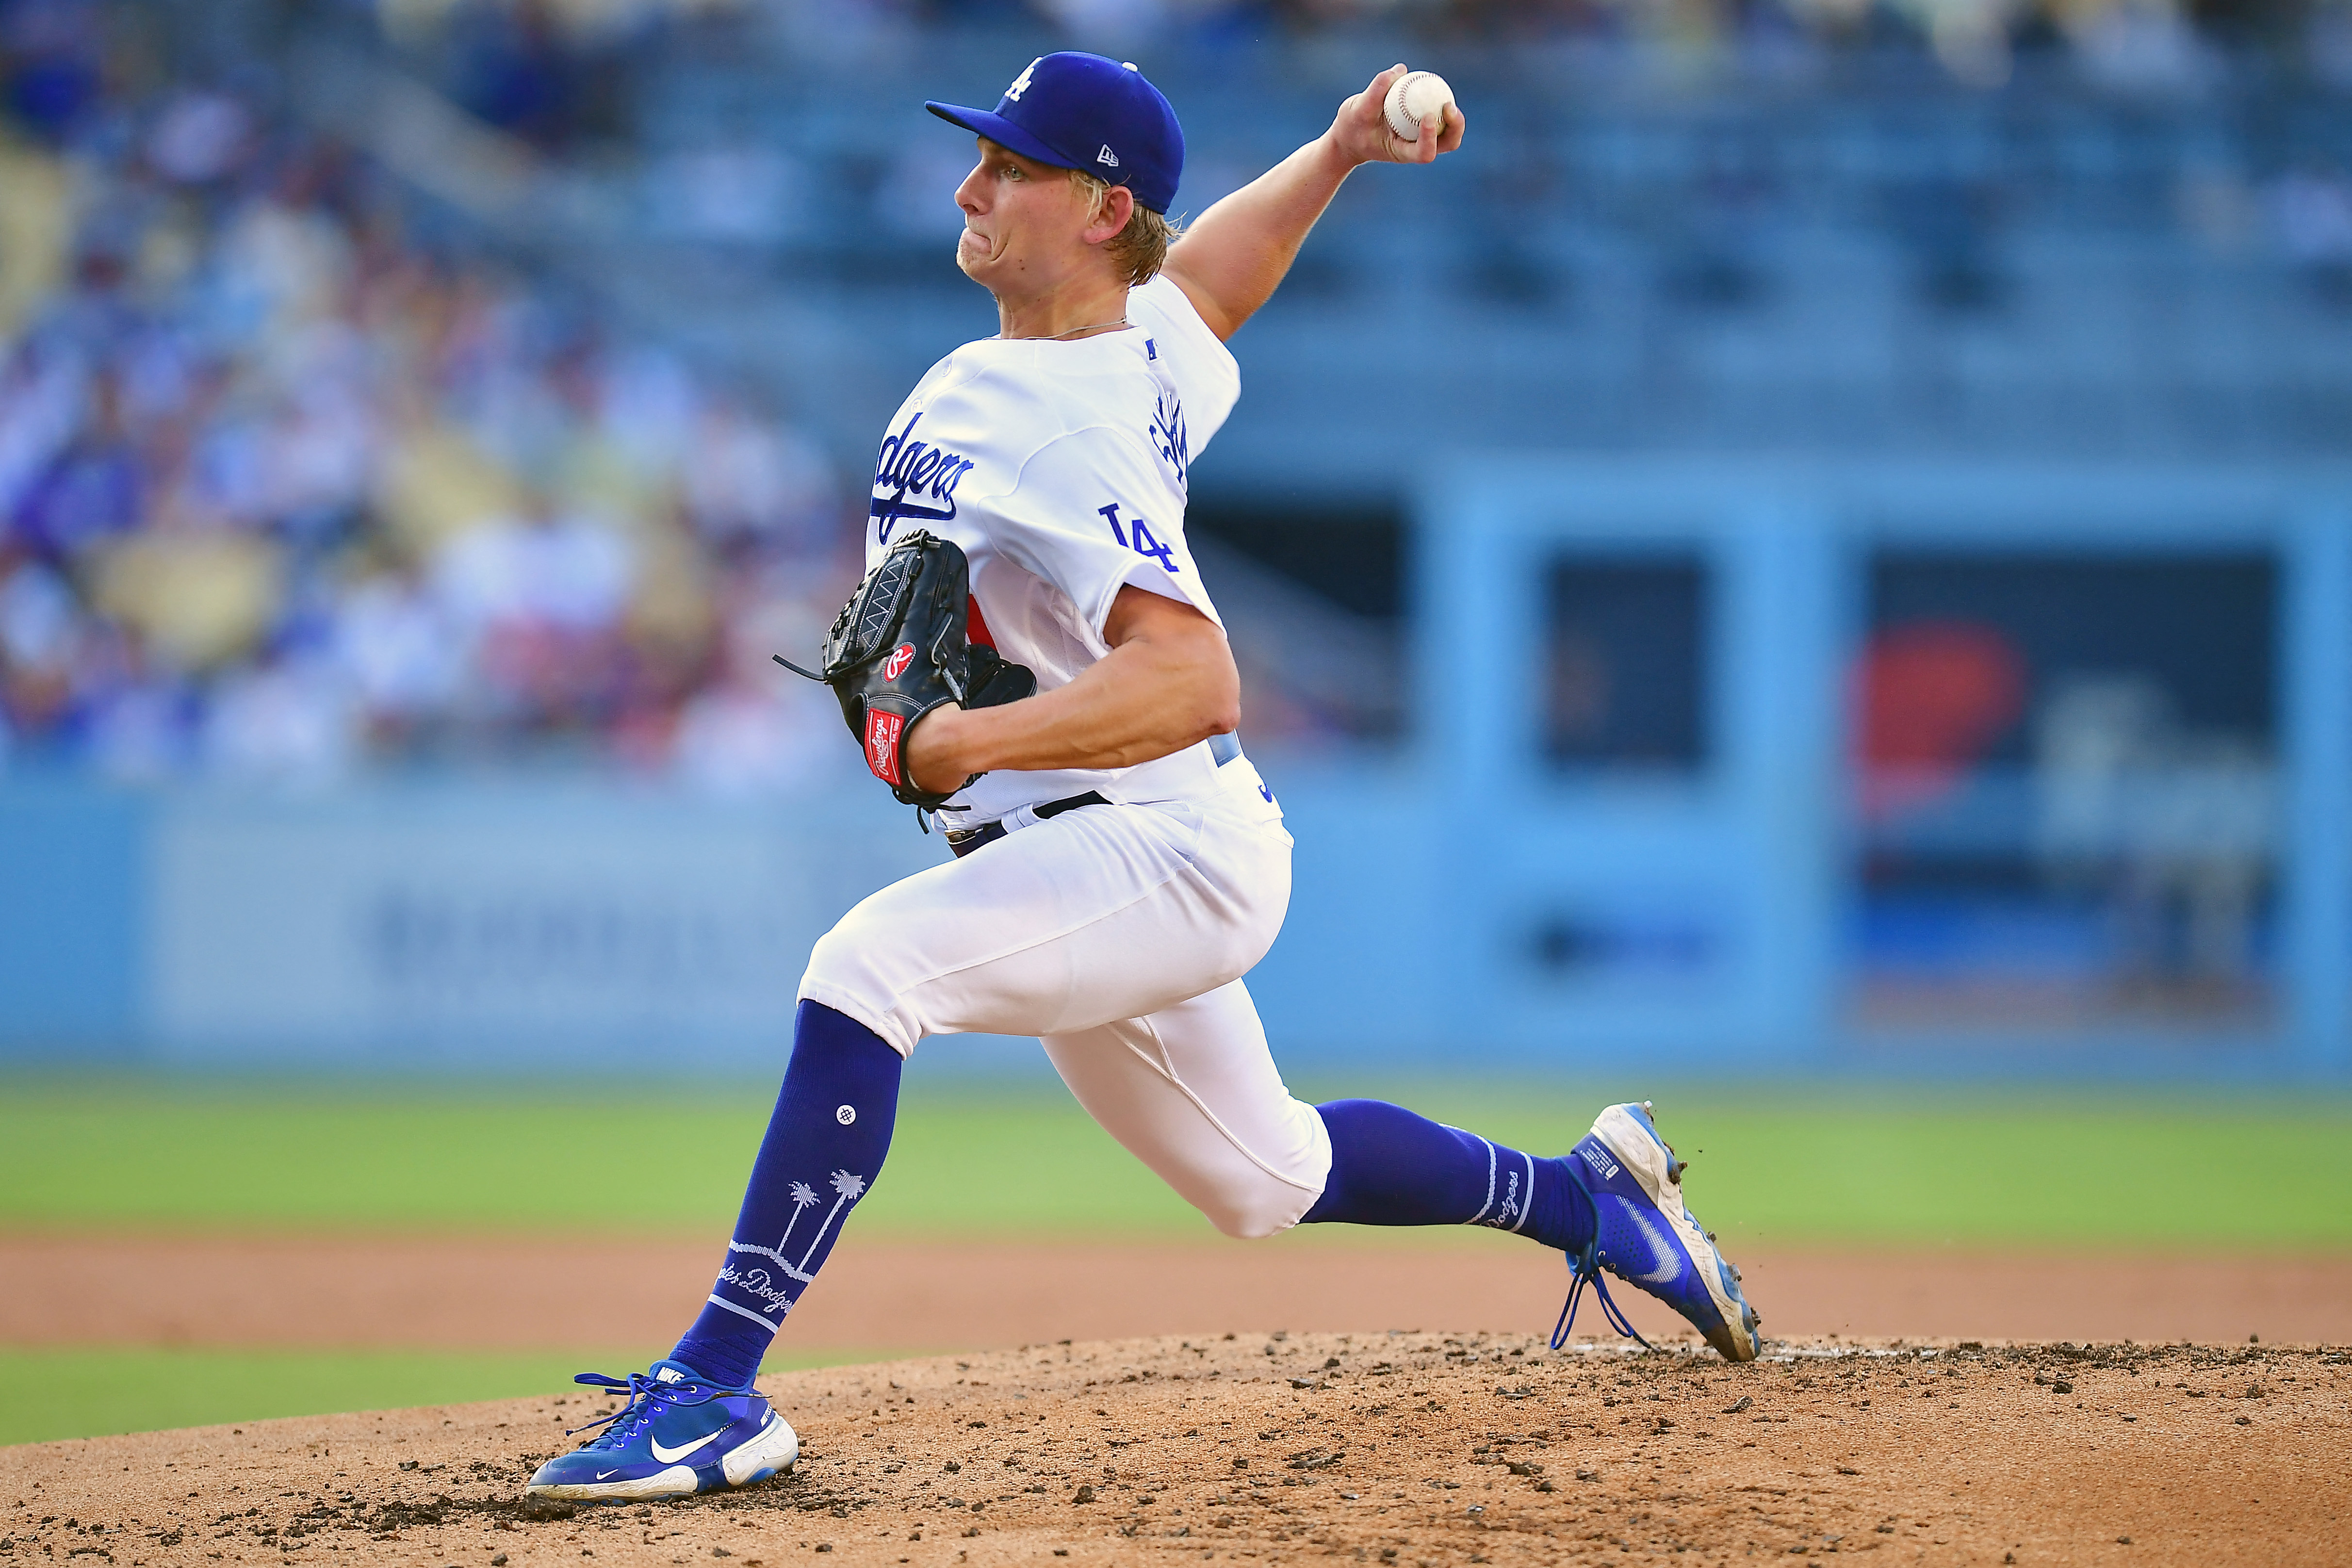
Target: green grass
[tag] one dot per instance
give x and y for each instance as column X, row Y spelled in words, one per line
column 224, row 1155
column 52, row 1394
column 1849, row 1167
column 1914, row 1168
column 1937, row 1168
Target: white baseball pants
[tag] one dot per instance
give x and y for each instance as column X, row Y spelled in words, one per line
column 1118, row 935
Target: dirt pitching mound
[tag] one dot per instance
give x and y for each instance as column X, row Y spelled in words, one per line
column 1402, row 1447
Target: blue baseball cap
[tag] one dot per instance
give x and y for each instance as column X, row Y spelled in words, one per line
column 1082, row 111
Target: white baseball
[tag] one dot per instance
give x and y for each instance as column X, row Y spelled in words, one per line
column 1413, row 97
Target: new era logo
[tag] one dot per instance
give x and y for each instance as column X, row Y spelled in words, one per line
column 1106, row 158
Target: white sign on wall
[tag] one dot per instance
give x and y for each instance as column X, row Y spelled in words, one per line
column 394, row 927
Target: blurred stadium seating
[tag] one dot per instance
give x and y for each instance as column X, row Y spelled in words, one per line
column 400, row 391
column 467, row 378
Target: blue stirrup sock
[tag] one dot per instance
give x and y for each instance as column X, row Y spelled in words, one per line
column 823, row 1147
column 1390, row 1166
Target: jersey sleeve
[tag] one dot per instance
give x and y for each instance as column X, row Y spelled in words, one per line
column 1091, row 515
column 1201, row 368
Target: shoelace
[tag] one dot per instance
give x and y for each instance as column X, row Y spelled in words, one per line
column 646, row 1396
column 1586, row 1268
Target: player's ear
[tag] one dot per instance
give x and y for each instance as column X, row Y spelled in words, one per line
column 1118, row 207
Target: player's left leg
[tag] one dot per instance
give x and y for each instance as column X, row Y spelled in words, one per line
column 823, row 1149
column 1083, row 916
column 694, row 1422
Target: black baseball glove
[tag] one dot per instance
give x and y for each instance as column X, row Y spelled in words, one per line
column 900, row 648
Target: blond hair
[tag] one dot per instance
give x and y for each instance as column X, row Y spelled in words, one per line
column 1140, row 250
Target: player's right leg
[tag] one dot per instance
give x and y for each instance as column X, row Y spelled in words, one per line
column 1194, row 1092
column 1613, row 1203
column 1646, row 1235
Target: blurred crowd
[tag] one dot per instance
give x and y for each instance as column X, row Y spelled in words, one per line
column 285, row 490
column 289, row 485
column 554, row 70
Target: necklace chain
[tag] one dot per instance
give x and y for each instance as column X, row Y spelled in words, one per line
column 1074, row 332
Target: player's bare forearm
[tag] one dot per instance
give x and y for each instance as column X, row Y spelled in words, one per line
column 1235, row 255
column 1168, row 682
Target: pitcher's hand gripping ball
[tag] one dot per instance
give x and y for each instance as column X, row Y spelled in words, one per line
column 1412, row 98
column 902, row 646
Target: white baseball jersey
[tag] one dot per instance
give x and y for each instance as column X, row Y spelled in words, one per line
column 1118, row 935
column 1060, row 470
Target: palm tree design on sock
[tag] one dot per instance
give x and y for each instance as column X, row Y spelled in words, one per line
column 851, row 1188
column 803, row 1198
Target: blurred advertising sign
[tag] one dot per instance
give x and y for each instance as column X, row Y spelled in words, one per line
column 565, row 923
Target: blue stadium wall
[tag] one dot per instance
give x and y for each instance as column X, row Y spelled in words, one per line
column 1465, row 901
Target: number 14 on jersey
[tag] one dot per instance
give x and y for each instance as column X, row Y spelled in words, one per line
column 1136, row 535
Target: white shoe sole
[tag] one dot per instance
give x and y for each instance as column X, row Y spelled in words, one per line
column 774, row 1448
column 678, row 1480
column 1639, row 1149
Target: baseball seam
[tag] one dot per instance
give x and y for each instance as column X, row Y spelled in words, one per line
column 1395, row 100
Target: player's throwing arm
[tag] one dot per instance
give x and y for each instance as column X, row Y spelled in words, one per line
column 1234, row 254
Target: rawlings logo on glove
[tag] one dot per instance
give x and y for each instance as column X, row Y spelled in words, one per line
column 882, row 733
column 900, row 648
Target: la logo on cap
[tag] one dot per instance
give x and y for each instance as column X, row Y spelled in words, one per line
column 1081, row 112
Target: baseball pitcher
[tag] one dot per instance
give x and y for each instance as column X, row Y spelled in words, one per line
column 1034, row 657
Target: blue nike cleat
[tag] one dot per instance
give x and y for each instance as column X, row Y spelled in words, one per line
column 678, row 1433
column 1646, row 1237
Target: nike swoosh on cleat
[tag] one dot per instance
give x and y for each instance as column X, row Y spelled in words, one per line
column 602, row 1474
column 671, row 1456
column 1664, row 1273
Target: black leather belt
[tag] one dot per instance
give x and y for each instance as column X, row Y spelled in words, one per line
column 964, row 840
